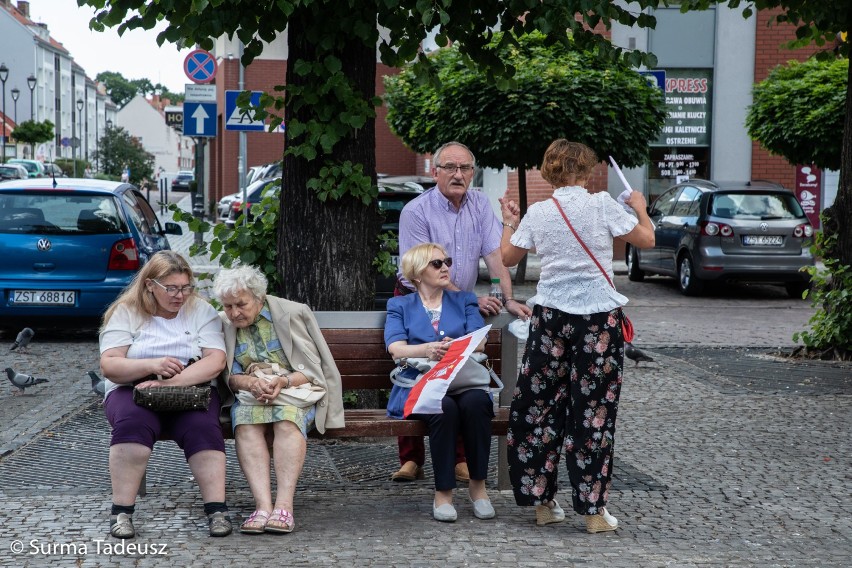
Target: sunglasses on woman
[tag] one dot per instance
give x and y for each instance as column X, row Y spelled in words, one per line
column 438, row 262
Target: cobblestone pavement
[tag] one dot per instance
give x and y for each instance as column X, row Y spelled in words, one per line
column 727, row 455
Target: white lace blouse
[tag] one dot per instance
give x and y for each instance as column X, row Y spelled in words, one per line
column 570, row 281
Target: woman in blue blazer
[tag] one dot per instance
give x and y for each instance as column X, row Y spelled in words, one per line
column 421, row 325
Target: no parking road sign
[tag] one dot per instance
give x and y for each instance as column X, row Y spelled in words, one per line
column 200, row 66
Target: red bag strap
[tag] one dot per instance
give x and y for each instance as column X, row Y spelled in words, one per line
column 582, row 244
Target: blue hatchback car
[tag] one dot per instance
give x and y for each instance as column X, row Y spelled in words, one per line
column 68, row 247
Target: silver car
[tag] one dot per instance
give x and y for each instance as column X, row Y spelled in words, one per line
column 706, row 231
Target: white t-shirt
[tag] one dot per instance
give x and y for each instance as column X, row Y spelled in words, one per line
column 570, row 281
column 196, row 326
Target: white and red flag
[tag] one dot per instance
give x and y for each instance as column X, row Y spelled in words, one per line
column 426, row 396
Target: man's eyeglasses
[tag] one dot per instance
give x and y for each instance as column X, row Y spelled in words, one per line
column 175, row 290
column 438, row 262
column 451, row 168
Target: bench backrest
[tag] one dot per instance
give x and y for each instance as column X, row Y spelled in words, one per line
column 356, row 340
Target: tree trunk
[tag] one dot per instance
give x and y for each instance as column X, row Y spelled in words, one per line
column 521, row 273
column 841, row 211
column 326, row 249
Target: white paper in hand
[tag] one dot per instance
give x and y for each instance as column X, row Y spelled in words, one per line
column 622, row 197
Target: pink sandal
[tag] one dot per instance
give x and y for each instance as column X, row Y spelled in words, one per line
column 256, row 523
column 281, row 521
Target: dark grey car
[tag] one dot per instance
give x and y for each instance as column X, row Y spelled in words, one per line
column 706, row 231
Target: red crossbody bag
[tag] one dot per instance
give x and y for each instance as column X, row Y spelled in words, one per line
column 626, row 324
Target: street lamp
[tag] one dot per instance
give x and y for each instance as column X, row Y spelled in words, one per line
column 4, row 74
column 15, row 94
column 97, row 135
column 31, row 83
column 108, row 128
column 75, row 143
column 74, row 134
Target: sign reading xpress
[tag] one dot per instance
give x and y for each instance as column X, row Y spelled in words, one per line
column 688, row 104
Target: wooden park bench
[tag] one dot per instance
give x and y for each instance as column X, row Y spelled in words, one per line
column 356, row 341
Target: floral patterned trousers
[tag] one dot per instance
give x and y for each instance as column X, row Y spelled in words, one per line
column 566, row 399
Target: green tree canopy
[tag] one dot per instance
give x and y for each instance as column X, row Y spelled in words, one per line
column 32, row 132
column 329, row 163
column 557, row 91
column 122, row 90
column 118, row 149
column 798, row 112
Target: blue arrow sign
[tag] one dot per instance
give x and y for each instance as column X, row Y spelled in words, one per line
column 199, row 119
column 240, row 119
column 656, row 78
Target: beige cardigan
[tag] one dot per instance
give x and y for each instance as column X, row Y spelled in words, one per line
column 305, row 347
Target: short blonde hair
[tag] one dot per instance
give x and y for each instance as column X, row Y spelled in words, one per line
column 565, row 161
column 416, row 259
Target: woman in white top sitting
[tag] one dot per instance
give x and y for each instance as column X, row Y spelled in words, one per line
column 154, row 328
column 568, row 387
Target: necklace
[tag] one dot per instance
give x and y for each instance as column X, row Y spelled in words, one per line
column 433, row 303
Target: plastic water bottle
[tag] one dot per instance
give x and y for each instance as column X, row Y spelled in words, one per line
column 496, row 291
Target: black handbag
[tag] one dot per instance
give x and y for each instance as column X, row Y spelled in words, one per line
column 172, row 399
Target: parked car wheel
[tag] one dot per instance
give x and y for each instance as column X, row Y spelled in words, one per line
column 690, row 284
column 634, row 273
column 796, row 289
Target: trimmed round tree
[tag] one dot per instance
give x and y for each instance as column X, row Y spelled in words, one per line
column 798, row 112
column 556, row 91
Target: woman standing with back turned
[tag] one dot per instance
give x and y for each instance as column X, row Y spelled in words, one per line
column 570, row 378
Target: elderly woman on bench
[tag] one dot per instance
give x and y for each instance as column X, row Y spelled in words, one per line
column 285, row 383
column 420, row 326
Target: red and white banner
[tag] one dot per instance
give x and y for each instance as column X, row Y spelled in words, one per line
column 809, row 192
column 426, row 396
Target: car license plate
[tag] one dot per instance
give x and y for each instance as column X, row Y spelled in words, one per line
column 44, row 297
column 395, row 260
column 763, row 240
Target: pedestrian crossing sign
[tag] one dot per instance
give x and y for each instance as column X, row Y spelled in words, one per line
column 242, row 119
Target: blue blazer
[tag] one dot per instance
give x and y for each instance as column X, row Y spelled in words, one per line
column 407, row 319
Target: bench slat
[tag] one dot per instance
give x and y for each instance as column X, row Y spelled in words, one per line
column 374, row 423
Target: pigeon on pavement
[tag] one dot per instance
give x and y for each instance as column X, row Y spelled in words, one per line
column 634, row 353
column 22, row 381
column 23, row 340
column 97, row 383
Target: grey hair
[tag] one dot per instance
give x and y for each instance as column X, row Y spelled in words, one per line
column 436, row 155
column 232, row 281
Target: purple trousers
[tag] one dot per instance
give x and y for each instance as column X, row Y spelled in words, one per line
column 192, row 430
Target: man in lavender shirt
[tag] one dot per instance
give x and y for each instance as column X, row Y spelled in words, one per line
column 464, row 223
